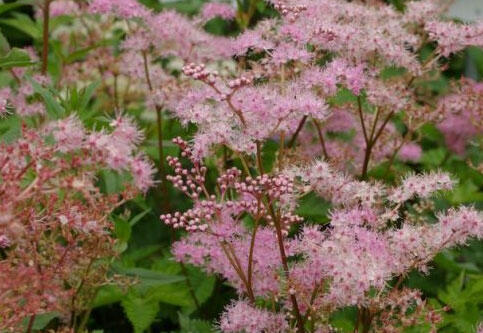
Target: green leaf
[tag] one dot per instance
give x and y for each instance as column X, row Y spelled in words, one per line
column 10, row 129
column 25, row 24
column 433, row 157
column 122, row 228
column 466, row 192
column 87, row 94
column 174, row 294
column 148, row 277
column 138, row 217
column 41, row 320
column 313, row 208
column 9, row 6
column 132, row 256
column 141, row 312
column 111, row 182
column 54, row 109
column 106, row 295
column 4, row 45
column 15, row 58
column 194, row 325
column 79, row 54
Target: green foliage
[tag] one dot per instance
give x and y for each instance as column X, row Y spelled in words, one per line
column 464, row 297
column 194, row 325
column 15, row 58
column 140, row 310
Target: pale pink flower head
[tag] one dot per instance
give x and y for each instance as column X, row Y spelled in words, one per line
column 63, row 7
column 422, row 186
column 249, row 40
column 286, row 52
column 69, row 134
column 4, row 241
column 452, row 37
column 214, row 9
column 121, row 8
column 410, row 152
column 457, row 130
column 143, row 172
column 240, row 316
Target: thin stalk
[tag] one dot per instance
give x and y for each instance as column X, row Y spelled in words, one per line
column 367, row 157
column 283, row 257
column 116, row 93
column 243, row 162
column 84, row 319
column 159, row 123
column 31, row 323
column 370, row 144
column 250, row 255
column 361, row 117
column 259, row 158
column 235, row 263
column 45, row 35
column 321, row 138
column 297, row 131
column 162, row 174
column 281, row 150
column 184, row 271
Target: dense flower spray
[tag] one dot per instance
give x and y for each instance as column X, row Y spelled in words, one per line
column 338, row 88
column 55, row 230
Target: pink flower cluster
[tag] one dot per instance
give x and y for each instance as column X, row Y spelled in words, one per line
column 54, row 221
column 336, row 266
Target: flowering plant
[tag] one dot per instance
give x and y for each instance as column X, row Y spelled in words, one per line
column 300, row 106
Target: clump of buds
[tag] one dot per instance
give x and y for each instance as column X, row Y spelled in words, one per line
column 292, row 12
column 199, row 72
column 239, row 82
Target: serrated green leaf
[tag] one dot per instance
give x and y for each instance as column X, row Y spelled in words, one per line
column 106, row 295
column 189, row 325
column 174, row 294
column 141, row 312
column 15, row 58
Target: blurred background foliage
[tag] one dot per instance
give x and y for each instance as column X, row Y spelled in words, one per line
column 163, row 300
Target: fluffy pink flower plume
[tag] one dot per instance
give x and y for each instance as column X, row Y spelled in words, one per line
column 121, row 8
column 463, row 115
column 48, row 193
column 214, row 9
column 63, row 7
column 324, row 79
column 415, row 246
column 361, row 250
column 410, row 152
column 452, row 37
column 339, row 188
column 241, row 316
